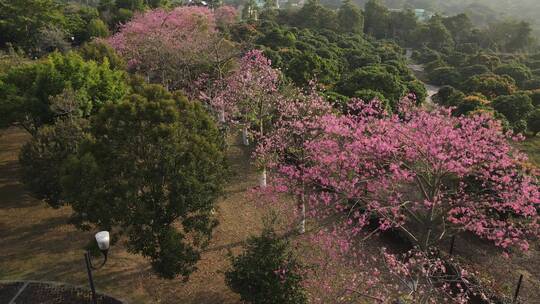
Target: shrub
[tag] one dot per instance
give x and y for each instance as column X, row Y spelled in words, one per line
column 515, row 108
column 448, row 96
column 266, row 272
column 470, row 104
column 490, row 85
column 518, row 72
column 533, row 122
column 445, row 76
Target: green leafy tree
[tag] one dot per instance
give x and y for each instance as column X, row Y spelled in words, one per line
column 376, row 19
column 270, row 4
column 26, row 90
column 490, row 85
column 460, row 26
column 533, row 123
column 133, row 5
column 426, row 55
column 315, row 16
column 490, row 61
column 435, row 35
column 445, row 76
column 51, row 39
column 167, row 3
column 531, row 84
column 152, row 171
column 83, row 23
column 41, row 159
column 471, row 70
column 119, row 12
column 471, row 103
column 418, row 89
column 368, row 95
column 375, row 78
column 350, row 18
column 21, row 21
column 448, row 96
column 403, row 25
column 266, row 272
column 97, row 29
column 250, row 10
column 307, row 66
column 510, row 35
column 515, row 108
column 518, row 72
column 535, row 97
column 100, row 52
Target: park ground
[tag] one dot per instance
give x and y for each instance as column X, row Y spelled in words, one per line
column 37, row 243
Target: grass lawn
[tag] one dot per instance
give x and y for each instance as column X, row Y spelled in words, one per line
column 37, row 243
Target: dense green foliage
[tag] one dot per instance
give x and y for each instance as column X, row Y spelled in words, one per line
column 26, row 90
column 343, row 62
column 21, row 21
column 44, row 155
column 350, row 18
column 266, row 272
column 41, row 26
column 154, row 161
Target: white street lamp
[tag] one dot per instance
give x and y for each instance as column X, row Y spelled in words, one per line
column 103, row 241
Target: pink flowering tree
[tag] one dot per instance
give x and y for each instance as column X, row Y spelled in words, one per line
column 294, row 118
column 427, row 174
column 174, row 47
column 252, row 94
column 341, row 269
column 226, row 15
column 249, row 95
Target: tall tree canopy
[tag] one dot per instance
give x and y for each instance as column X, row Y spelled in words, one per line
column 350, row 18
column 376, row 19
column 26, row 90
column 425, row 173
column 154, row 162
column 21, row 21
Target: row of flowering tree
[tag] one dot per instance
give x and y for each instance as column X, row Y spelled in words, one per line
column 249, row 96
column 424, row 173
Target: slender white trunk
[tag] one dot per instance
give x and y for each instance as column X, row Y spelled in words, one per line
column 245, row 139
column 221, row 116
column 262, row 179
column 302, row 226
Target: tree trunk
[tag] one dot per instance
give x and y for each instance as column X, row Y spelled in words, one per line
column 245, row 139
column 221, row 116
column 302, row 225
column 262, row 179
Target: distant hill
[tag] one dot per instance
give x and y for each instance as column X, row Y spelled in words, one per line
column 482, row 12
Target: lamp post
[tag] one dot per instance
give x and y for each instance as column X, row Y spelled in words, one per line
column 103, row 241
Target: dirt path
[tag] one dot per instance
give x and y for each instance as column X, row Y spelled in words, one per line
column 38, row 244
column 418, row 70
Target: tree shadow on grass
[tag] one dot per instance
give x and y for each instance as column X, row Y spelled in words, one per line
column 208, row 297
column 12, row 192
